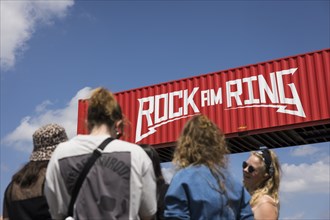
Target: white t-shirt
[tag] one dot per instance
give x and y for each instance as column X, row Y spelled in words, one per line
column 120, row 185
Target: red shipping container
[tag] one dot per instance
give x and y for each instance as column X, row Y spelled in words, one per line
column 278, row 95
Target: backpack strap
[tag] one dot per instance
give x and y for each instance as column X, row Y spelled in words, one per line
column 96, row 154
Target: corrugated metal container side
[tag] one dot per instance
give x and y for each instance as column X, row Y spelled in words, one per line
column 276, row 95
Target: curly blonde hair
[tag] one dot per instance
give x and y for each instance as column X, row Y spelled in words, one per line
column 271, row 185
column 201, row 143
column 103, row 109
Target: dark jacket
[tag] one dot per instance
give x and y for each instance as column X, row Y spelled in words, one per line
column 161, row 200
column 26, row 203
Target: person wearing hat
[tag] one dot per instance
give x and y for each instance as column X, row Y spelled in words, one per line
column 24, row 197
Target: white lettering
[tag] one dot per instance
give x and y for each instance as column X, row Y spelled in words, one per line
column 205, row 97
column 168, row 109
column 145, row 113
column 173, row 114
column 234, row 94
column 157, row 104
column 292, row 101
column 189, row 100
column 165, row 108
column 264, row 88
column 216, row 99
column 210, row 97
column 251, row 99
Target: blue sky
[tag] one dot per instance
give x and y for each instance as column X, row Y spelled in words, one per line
column 55, row 52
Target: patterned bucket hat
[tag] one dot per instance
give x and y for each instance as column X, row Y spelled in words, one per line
column 45, row 140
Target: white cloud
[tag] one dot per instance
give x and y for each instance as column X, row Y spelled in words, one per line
column 43, row 106
column 307, row 178
column 300, row 215
column 326, row 159
column 21, row 137
column 19, row 20
column 304, row 150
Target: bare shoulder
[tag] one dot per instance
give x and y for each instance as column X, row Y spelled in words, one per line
column 266, row 209
column 267, row 199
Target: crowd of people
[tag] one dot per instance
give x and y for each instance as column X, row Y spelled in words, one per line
column 99, row 176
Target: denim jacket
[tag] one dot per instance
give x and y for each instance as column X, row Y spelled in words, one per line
column 194, row 193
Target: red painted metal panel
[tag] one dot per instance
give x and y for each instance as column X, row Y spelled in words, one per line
column 82, row 116
column 269, row 96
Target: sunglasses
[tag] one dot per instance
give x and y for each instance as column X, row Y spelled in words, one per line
column 251, row 169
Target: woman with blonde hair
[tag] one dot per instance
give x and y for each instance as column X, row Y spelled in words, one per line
column 119, row 185
column 261, row 174
column 203, row 188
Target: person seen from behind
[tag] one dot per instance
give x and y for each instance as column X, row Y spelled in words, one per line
column 203, row 188
column 120, row 184
column 261, row 177
column 24, row 197
column 162, row 186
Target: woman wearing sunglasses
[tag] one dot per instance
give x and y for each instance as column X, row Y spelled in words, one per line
column 261, row 174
